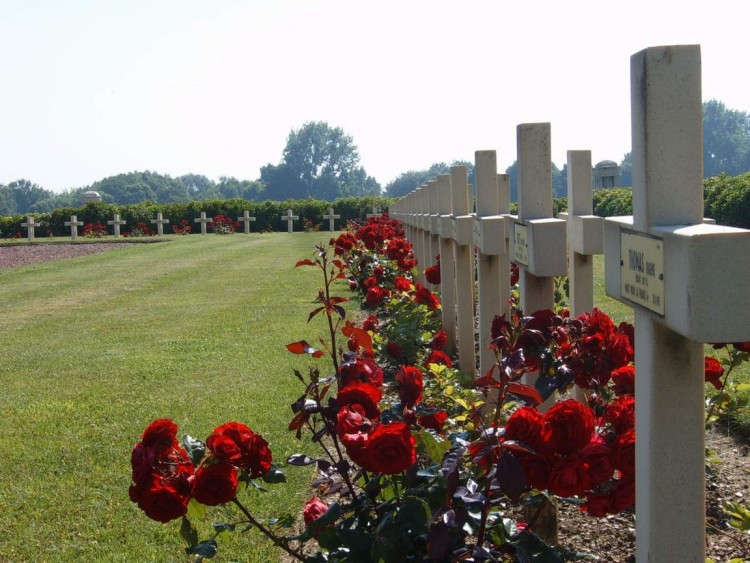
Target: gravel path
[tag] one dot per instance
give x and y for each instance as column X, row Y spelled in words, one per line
column 14, row 256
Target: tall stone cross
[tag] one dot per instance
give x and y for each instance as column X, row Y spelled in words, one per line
column 687, row 282
column 447, row 264
column 204, row 221
column 116, row 222
column 585, row 237
column 375, row 212
column 462, row 234
column 290, row 219
column 493, row 267
column 331, row 219
column 246, row 220
column 159, row 222
column 74, row 223
column 30, row 225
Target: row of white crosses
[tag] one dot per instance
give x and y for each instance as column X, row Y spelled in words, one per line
column 685, row 278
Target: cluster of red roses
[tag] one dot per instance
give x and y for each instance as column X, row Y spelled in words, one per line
column 570, row 455
column 432, row 274
column 222, row 225
column 140, row 230
column 165, row 477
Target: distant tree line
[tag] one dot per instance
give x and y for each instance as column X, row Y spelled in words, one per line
column 322, row 162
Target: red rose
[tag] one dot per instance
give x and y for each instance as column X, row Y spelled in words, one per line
column 163, row 499
column 365, row 394
column 314, row 509
column 598, row 455
column 378, row 272
column 621, row 413
column 410, row 385
column 714, row 371
column 401, row 283
column 432, row 274
column 597, row 505
column 215, row 484
column 439, row 340
column 356, row 447
column 568, row 426
column 438, row 357
column 623, row 455
column 742, row 346
column 622, row 495
column 358, row 368
column 160, row 433
column 393, row 350
column 390, row 449
column 526, row 425
column 434, row 421
column 536, row 469
column 624, row 379
column 515, row 274
column 236, row 443
column 375, row 296
column 423, row 296
column 371, row 323
column 569, row 477
column 351, row 419
column 371, row 282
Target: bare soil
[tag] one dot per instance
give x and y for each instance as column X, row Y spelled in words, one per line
column 17, row 255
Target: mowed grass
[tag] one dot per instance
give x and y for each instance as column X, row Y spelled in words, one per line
column 93, row 349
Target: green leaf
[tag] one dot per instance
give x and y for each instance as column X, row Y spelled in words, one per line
column 413, row 514
column 274, row 475
column 436, row 447
column 196, row 509
column 188, row 532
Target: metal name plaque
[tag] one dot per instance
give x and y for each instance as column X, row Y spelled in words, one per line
column 521, row 244
column 642, row 270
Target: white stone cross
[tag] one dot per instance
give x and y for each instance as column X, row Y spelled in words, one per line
column 447, row 264
column 30, row 225
column 74, row 223
column 585, row 238
column 375, row 212
column 159, row 222
column 204, row 221
column 116, row 222
column 290, row 219
column 331, row 219
column 462, row 233
column 687, row 282
column 246, row 220
column 493, row 267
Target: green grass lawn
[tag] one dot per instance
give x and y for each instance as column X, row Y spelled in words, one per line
column 93, row 349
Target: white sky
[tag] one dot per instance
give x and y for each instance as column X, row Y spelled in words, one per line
column 93, row 88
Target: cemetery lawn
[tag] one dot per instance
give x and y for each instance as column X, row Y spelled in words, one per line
column 92, row 349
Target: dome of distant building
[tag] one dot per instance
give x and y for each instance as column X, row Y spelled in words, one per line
column 606, row 164
column 91, row 197
column 606, row 174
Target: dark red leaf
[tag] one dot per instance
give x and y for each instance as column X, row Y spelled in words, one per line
column 525, row 392
column 511, row 477
column 305, row 262
column 299, row 420
column 314, row 312
column 360, row 336
column 337, row 300
column 302, row 347
column 340, row 311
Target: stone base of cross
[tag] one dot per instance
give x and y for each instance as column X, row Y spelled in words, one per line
column 375, row 212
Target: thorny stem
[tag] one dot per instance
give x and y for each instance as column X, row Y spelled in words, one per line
column 265, row 531
column 488, row 483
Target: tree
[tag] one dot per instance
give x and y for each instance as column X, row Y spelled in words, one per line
column 318, row 161
column 409, row 181
column 726, row 140
column 726, row 143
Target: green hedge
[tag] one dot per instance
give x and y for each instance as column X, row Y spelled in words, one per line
column 727, row 199
column 267, row 214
